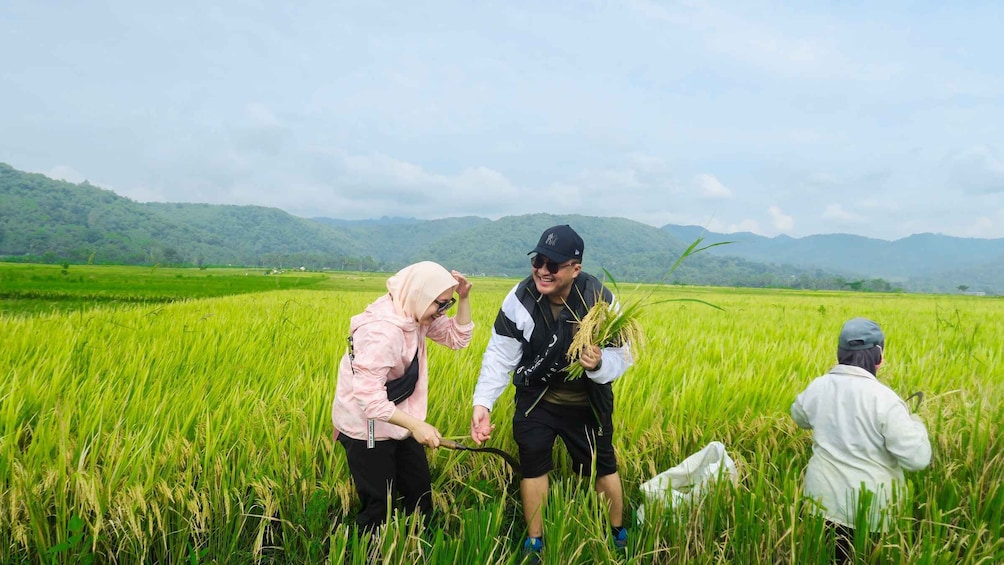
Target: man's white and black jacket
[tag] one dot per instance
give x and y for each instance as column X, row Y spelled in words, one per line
column 531, row 345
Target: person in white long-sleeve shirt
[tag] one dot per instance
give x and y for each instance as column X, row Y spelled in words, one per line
column 864, row 437
column 528, row 348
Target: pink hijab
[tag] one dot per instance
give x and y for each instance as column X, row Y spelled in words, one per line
column 414, row 287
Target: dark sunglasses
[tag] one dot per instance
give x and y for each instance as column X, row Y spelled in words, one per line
column 443, row 306
column 539, row 261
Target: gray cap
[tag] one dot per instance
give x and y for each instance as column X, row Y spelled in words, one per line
column 860, row 333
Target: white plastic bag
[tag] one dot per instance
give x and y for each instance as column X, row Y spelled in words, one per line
column 688, row 481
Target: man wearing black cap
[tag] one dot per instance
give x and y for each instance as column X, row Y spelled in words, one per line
column 530, row 340
column 864, row 436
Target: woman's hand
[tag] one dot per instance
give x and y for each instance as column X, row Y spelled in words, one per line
column 463, row 285
column 463, row 315
column 426, row 434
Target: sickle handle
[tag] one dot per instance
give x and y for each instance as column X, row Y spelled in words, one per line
column 450, row 444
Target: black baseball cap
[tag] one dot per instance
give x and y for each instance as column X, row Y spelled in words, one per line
column 559, row 243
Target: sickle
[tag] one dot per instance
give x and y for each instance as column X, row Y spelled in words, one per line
column 513, row 463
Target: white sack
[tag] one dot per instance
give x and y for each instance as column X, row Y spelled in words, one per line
column 688, row 481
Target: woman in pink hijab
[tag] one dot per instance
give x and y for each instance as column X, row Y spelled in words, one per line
column 382, row 394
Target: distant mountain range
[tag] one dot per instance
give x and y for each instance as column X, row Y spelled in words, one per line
column 926, row 262
column 54, row 221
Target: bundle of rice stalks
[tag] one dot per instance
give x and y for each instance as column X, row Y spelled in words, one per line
column 606, row 325
column 617, row 325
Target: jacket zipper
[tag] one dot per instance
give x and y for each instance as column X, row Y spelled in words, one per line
column 545, row 314
column 599, row 421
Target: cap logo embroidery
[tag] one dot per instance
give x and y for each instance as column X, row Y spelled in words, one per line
column 551, row 240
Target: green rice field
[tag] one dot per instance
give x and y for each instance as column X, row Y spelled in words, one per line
column 183, row 416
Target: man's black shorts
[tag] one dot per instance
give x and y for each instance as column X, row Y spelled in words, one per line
column 578, row 429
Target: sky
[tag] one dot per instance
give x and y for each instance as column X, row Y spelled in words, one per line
column 882, row 119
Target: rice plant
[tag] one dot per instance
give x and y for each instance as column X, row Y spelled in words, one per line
column 617, row 325
column 199, row 431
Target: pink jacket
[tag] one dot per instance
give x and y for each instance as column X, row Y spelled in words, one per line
column 385, row 343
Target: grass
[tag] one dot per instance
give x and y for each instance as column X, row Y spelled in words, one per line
column 32, row 289
column 198, row 431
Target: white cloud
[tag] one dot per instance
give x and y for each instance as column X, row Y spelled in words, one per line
column 641, row 190
column 981, row 227
column 823, row 179
column 377, row 167
column 147, row 194
column 745, row 225
column 611, row 179
column 564, row 192
column 384, row 181
column 261, row 115
column 988, row 224
column 977, row 170
column 711, row 187
column 837, row 212
column 776, row 45
column 63, row 172
column 782, row 221
column 472, row 185
column 492, row 110
column 638, row 188
column 880, row 204
column 649, row 164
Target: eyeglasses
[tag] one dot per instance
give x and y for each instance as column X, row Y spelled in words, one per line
column 539, row 261
column 444, row 305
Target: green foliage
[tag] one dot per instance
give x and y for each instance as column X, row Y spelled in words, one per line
column 199, row 431
column 48, row 221
column 76, row 546
column 44, row 288
column 402, row 242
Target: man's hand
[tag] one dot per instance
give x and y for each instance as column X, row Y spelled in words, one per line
column 481, row 425
column 591, row 358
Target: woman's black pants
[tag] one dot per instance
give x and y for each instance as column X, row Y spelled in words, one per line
column 391, row 469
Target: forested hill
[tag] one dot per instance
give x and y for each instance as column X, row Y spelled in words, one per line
column 630, row 251
column 54, row 221
column 49, row 220
column 399, row 241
